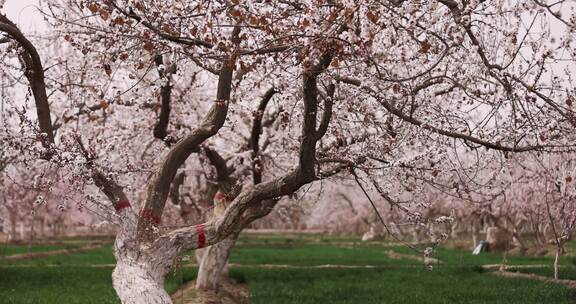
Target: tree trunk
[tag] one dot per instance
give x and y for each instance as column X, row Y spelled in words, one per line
column 415, row 235
column 475, row 235
column 556, row 260
column 518, row 240
column 138, row 277
column 42, row 231
column 13, row 231
column 199, row 255
column 137, row 283
column 213, row 265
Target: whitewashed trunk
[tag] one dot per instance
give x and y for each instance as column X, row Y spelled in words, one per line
column 556, row 260
column 138, row 277
column 475, row 235
column 199, row 254
column 214, row 259
column 214, row 264
column 137, row 284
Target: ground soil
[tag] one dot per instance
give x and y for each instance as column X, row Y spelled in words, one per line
column 402, row 256
column 229, row 293
column 569, row 283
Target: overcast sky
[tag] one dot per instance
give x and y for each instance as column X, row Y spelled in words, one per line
column 24, row 13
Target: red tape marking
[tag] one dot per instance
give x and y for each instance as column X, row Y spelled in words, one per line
column 201, row 235
column 121, row 205
column 222, row 196
column 149, row 215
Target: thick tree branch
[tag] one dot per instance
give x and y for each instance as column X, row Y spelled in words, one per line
column 327, row 113
column 255, row 136
column 159, row 185
column 175, row 188
column 34, row 72
column 230, row 222
column 165, row 94
column 113, row 191
column 219, row 163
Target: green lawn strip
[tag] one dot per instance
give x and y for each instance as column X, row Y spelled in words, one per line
column 48, row 285
column 297, row 255
column 359, row 254
column 100, row 238
column 13, row 249
column 570, row 248
column 311, row 255
column 179, row 277
column 446, row 285
column 100, row 255
column 316, row 254
column 460, row 257
column 71, row 285
column 290, row 237
column 564, row 273
column 458, row 280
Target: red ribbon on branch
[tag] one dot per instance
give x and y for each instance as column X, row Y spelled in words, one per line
column 148, row 214
column 222, row 197
column 121, row 205
column 201, row 235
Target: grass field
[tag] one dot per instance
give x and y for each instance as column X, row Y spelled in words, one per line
column 9, row 249
column 564, row 273
column 447, row 285
column 84, row 277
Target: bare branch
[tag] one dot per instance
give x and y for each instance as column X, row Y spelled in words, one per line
column 410, row 119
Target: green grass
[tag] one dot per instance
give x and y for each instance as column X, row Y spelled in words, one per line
column 68, row 239
column 178, row 277
column 309, row 252
column 47, row 285
column 276, row 239
column 446, row 285
column 71, row 285
column 310, row 255
column 465, row 257
column 101, row 255
column 566, row 273
column 12, row 249
column 459, row 279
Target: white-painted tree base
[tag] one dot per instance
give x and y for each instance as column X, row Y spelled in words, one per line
column 136, row 285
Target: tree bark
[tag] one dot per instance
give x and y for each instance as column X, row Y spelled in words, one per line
column 137, row 283
column 13, row 231
column 212, row 268
column 34, row 72
column 213, row 260
column 556, row 260
column 475, row 234
column 138, row 277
